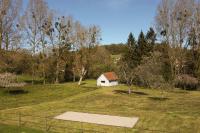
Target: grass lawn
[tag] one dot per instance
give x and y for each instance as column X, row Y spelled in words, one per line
column 16, row 129
column 31, row 95
column 178, row 111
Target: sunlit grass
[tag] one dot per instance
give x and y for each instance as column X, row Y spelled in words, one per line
column 175, row 111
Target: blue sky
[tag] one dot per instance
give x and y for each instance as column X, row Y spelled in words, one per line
column 116, row 18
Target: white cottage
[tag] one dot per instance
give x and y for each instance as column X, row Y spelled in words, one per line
column 107, row 79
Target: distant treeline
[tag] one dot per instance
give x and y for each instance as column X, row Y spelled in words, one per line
column 115, row 49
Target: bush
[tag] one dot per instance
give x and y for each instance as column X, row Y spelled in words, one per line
column 15, row 62
column 149, row 72
column 186, row 82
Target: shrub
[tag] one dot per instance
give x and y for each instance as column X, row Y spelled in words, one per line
column 186, row 82
column 149, row 72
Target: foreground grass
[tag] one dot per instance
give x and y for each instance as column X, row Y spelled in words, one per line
column 16, row 129
column 178, row 111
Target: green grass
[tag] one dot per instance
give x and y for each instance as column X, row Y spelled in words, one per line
column 16, row 129
column 31, row 95
column 28, row 79
column 178, row 111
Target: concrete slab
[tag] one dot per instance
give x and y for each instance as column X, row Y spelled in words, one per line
column 119, row 121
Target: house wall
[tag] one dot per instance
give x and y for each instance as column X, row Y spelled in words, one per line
column 102, row 78
column 113, row 83
column 107, row 83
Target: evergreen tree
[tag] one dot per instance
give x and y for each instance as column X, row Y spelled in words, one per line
column 129, row 61
column 131, row 55
column 143, row 48
column 151, row 38
column 131, row 44
column 131, row 41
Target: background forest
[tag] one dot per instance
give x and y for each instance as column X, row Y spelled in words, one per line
column 42, row 44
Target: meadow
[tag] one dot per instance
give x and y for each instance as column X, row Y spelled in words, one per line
column 158, row 111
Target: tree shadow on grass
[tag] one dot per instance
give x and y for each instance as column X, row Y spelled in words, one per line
column 132, row 92
column 179, row 91
column 159, row 98
column 16, row 92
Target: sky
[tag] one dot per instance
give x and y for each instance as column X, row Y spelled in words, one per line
column 116, row 18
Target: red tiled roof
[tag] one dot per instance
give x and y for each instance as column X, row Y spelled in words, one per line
column 111, row 76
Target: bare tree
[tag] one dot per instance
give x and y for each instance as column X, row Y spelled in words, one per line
column 127, row 74
column 64, row 40
column 173, row 21
column 34, row 18
column 86, row 39
column 9, row 14
column 45, row 34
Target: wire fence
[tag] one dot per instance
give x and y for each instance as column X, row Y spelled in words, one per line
column 49, row 124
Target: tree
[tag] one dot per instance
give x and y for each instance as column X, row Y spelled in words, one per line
column 129, row 61
column 45, row 21
column 35, row 18
column 64, row 40
column 116, row 49
column 9, row 14
column 149, row 72
column 173, row 21
column 86, row 39
column 193, row 63
column 143, row 48
column 151, row 38
column 166, row 68
column 101, row 62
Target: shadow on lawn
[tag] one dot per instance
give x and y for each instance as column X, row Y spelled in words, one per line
column 159, row 98
column 16, row 92
column 132, row 92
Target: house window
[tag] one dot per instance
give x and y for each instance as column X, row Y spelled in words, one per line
column 102, row 81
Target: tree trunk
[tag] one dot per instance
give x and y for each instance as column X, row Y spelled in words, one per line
column 44, row 75
column 1, row 38
column 57, row 72
column 1, row 35
column 83, row 72
column 129, row 90
column 80, row 80
column 7, row 41
column 33, row 73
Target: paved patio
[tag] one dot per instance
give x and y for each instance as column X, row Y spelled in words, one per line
column 119, row 121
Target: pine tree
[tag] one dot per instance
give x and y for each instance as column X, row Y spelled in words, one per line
column 131, row 55
column 143, row 48
column 131, row 41
column 129, row 61
column 151, row 38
